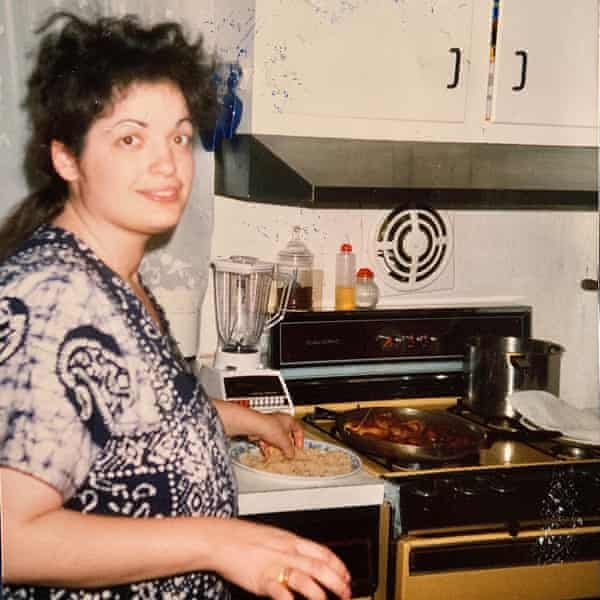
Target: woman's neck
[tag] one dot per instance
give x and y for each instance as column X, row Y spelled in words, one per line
column 121, row 250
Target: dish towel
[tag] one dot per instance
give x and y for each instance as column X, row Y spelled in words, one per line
column 549, row 412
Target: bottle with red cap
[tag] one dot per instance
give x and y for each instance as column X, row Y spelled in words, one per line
column 345, row 278
column 367, row 292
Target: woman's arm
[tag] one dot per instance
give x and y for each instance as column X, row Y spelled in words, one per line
column 48, row 545
column 277, row 429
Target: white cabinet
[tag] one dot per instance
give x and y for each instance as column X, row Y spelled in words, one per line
column 366, row 69
column 367, row 60
column 546, row 69
column 415, row 69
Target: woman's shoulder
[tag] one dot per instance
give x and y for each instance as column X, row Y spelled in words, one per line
column 46, row 262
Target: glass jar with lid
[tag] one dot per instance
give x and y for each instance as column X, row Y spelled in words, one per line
column 367, row 292
column 296, row 260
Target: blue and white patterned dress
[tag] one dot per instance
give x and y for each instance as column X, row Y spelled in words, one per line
column 97, row 402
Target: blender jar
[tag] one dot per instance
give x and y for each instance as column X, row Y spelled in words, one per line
column 242, row 288
column 296, row 261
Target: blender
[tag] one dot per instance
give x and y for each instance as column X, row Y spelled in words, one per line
column 242, row 290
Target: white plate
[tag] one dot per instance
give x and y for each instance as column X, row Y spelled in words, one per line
column 239, row 447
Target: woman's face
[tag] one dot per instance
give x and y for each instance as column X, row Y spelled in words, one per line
column 136, row 168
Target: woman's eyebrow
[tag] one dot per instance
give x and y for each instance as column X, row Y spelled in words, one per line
column 127, row 122
column 143, row 124
column 185, row 120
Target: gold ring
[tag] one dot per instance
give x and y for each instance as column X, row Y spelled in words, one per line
column 284, row 576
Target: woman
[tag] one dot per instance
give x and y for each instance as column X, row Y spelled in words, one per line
column 101, row 422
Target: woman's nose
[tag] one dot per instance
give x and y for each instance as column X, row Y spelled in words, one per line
column 163, row 160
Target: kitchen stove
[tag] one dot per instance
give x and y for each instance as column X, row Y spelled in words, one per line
column 518, row 518
column 516, row 508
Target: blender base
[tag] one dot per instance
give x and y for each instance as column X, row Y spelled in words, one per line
column 261, row 389
column 244, row 361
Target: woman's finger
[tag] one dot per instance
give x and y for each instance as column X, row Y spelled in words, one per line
column 322, row 554
column 265, row 449
column 322, row 573
column 278, row 590
column 305, row 585
column 297, row 434
column 291, row 544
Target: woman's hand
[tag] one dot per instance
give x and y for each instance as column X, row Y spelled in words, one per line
column 282, row 431
column 276, row 429
column 269, row 561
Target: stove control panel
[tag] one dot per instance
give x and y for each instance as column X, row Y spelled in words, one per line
column 409, row 344
column 333, row 337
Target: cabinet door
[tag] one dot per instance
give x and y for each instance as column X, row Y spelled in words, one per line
column 546, row 69
column 377, row 59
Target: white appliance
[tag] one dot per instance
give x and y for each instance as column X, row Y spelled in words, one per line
column 242, row 289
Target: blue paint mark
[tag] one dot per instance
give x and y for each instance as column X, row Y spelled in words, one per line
column 230, row 114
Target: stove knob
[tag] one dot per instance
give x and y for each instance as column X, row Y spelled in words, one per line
column 424, row 491
column 592, row 477
column 388, row 341
column 589, row 491
column 425, row 495
column 470, row 488
column 502, row 486
column 410, row 342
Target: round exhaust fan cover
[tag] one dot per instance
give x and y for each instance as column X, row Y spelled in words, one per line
column 413, row 247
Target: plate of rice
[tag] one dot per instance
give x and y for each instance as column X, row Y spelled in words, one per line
column 315, row 461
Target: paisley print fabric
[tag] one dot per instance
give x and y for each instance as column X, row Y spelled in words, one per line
column 98, row 402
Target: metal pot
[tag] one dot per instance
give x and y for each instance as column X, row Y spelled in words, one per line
column 498, row 366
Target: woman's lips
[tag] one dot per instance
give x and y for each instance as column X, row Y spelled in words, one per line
column 169, row 194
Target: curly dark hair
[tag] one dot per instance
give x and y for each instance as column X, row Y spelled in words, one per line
column 78, row 73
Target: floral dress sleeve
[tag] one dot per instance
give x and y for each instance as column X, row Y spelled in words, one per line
column 42, row 421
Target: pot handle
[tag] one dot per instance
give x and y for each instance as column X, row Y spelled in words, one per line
column 520, row 362
column 321, row 413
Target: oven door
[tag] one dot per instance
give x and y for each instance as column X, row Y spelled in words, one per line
column 358, row 535
column 558, row 564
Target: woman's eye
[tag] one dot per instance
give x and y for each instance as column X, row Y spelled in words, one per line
column 130, row 140
column 182, row 139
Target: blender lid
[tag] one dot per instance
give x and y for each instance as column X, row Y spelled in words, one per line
column 242, row 265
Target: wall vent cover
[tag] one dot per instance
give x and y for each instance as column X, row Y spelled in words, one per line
column 413, row 247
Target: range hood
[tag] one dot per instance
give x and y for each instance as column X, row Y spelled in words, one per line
column 344, row 173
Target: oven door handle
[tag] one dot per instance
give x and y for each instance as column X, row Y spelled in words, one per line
column 498, row 550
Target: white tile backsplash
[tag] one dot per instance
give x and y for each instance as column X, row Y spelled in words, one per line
column 531, row 257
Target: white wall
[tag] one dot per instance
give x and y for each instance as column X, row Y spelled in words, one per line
column 177, row 271
column 531, row 257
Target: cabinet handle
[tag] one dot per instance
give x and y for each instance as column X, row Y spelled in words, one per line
column 590, row 285
column 521, row 86
column 456, row 79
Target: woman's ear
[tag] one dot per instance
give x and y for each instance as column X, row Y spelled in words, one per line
column 64, row 162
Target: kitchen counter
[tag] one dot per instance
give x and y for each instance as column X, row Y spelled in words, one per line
column 259, row 494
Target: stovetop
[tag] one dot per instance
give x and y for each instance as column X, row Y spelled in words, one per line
column 548, row 442
column 507, row 449
column 509, row 486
